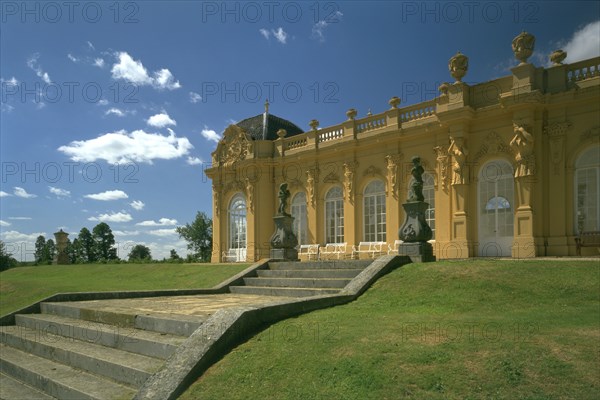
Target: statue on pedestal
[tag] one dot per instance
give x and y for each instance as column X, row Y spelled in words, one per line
column 284, row 241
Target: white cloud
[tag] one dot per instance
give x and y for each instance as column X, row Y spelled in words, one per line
column 280, row 35
column 12, row 81
column 32, row 63
column 72, row 58
column 137, row 205
column 163, row 232
column 164, row 79
column 123, row 147
column 4, row 194
column 15, row 236
column 90, row 45
column 4, row 223
column 130, row 70
column 109, row 195
column 318, row 29
column 194, row 161
column 102, row 102
column 115, row 111
column 99, row 62
column 210, row 134
column 195, row 97
column 126, row 233
column 160, row 120
column 584, row 44
column 59, row 192
column 134, row 71
column 114, row 217
column 20, row 192
column 20, row 218
column 161, row 222
column 7, row 108
column 265, row 33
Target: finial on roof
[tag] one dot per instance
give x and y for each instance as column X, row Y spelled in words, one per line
column 267, row 106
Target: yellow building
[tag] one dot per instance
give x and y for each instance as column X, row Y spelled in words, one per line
column 512, row 168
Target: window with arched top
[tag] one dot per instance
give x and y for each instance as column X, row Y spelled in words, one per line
column 300, row 219
column 237, row 227
column 587, row 190
column 334, row 215
column 374, row 226
column 429, row 195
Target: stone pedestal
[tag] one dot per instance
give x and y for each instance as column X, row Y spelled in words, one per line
column 284, row 241
column 415, row 233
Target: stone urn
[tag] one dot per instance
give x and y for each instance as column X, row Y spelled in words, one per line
column 522, row 46
column 351, row 114
column 557, row 57
column 458, row 66
column 394, row 102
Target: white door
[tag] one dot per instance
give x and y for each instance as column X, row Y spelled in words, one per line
column 237, row 228
column 496, row 209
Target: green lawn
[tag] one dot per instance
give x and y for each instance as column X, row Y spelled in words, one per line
column 20, row 287
column 446, row 330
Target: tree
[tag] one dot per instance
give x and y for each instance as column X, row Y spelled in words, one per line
column 86, row 244
column 174, row 257
column 6, row 259
column 40, row 245
column 199, row 236
column 139, row 252
column 49, row 252
column 75, row 252
column 104, row 241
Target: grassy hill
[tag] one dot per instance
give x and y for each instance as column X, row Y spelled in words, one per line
column 20, row 287
column 447, row 330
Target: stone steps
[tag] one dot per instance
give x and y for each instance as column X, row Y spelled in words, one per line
column 302, row 279
column 309, row 273
column 59, row 380
column 319, row 283
column 287, row 292
column 12, row 389
column 334, row 264
column 79, row 350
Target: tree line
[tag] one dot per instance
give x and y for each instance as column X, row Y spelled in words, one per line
column 98, row 246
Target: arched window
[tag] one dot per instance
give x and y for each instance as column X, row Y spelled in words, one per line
column 587, row 191
column 300, row 219
column 237, row 227
column 334, row 216
column 374, row 212
column 429, row 195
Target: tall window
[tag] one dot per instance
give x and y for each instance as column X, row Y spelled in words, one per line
column 587, row 191
column 237, row 226
column 374, row 212
column 334, row 216
column 429, row 195
column 300, row 219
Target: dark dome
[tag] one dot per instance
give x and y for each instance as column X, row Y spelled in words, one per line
column 254, row 127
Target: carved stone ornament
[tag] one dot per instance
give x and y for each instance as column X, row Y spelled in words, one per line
column 459, row 153
column 441, row 153
column 493, row 144
column 349, row 169
column 590, row 134
column 458, row 66
column 522, row 46
column 234, row 146
column 392, row 162
column 394, row 102
column 250, row 194
column 351, row 114
column 556, row 135
column 557, row 57
column 331, row 177
column 314, row 124
column 523, row 143
column 217, row 198
column 310, row 187
column 443, row 88
column 372, row 171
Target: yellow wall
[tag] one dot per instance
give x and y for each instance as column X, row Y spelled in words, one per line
column 561, row 116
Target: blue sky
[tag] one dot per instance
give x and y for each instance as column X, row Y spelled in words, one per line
column 110, row 110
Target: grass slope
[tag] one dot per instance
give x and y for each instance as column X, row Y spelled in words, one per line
column 20, row 287
column 446, row 330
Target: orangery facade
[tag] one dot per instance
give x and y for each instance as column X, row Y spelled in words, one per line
column 512, row 168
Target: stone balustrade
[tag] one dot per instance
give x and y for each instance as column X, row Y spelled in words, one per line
column 583, row 70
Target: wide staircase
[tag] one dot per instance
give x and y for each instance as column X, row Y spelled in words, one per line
column 70, row 351
column 302, row 279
